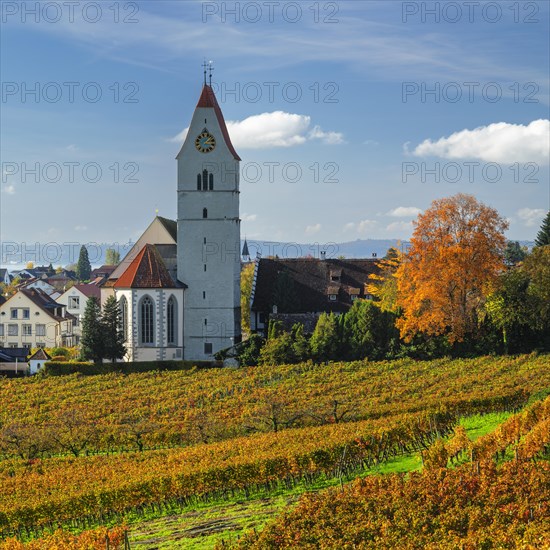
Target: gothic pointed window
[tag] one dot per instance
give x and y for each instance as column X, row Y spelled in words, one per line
column 171, row 321
column 123, row 304
column 147, row 321
column 205, row 213
column 205, row 181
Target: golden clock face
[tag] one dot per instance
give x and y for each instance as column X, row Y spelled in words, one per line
column 205, row 142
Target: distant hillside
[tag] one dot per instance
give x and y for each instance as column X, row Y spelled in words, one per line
column 361, row 248
column 16, row 255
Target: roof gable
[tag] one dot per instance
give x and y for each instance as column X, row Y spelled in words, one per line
column 160, row 231
column 40, row 355
column 147, row 270
column 208, row 100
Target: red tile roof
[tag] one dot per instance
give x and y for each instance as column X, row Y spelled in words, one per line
column 208, row 100
column 147, row 270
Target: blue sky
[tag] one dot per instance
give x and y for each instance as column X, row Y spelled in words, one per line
column 383, row 106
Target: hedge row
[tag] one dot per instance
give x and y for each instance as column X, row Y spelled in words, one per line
column 58, row 368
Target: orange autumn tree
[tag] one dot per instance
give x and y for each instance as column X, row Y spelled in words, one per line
column 457, row 251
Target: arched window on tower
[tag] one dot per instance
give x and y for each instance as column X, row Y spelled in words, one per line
column 205, row 213
column 123, row 305
column 205, row 181
column 171, row 321
column 146, row 321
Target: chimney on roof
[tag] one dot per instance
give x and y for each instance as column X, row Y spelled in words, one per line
column 323, row 255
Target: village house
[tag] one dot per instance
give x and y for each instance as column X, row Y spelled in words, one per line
column 30, row 318
column 299, row 290
column 75, row 299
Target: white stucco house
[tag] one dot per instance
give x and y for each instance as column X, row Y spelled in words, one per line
column 30, row 318
column 74, row 299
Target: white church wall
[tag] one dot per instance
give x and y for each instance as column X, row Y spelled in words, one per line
column 159, row 350
column 209, row 247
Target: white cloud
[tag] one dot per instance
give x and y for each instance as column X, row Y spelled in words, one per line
column 80, row 228
column 313, row 229
column 350, row 226
column 9, row 189
column 366, row 225
column 499, row 142
column 276, row 129
column 531, row 216
column 249, row 217
column 400, row 227
column 180, row 138
column 330, row 138
column 404, row 212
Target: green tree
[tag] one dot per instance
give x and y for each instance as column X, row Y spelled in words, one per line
column 113, row 339
column 543, row 236
column 514, row 253
column 520, row 304
column 325, row 340
column 537, row 267
column 247, row 277
column 83, row 267
column 274, row 329
column 248, row 352
column 510, row 306
column 278, row 350
column 112, row 257
column 300, row 344
column 368, row 331
column 92, row 342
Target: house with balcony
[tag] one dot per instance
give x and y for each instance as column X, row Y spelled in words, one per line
column 30, row 318
column 75, row 299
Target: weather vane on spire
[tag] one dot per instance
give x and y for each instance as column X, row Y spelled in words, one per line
column 208, row 68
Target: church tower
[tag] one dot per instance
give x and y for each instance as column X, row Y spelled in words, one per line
column 208, row 243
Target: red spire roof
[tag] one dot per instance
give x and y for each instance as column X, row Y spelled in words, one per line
column 208, row 100
column 147, row 270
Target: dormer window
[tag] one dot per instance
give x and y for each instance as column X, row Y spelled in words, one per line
column 354, row 293
column 336, row 275
column 332, row 293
